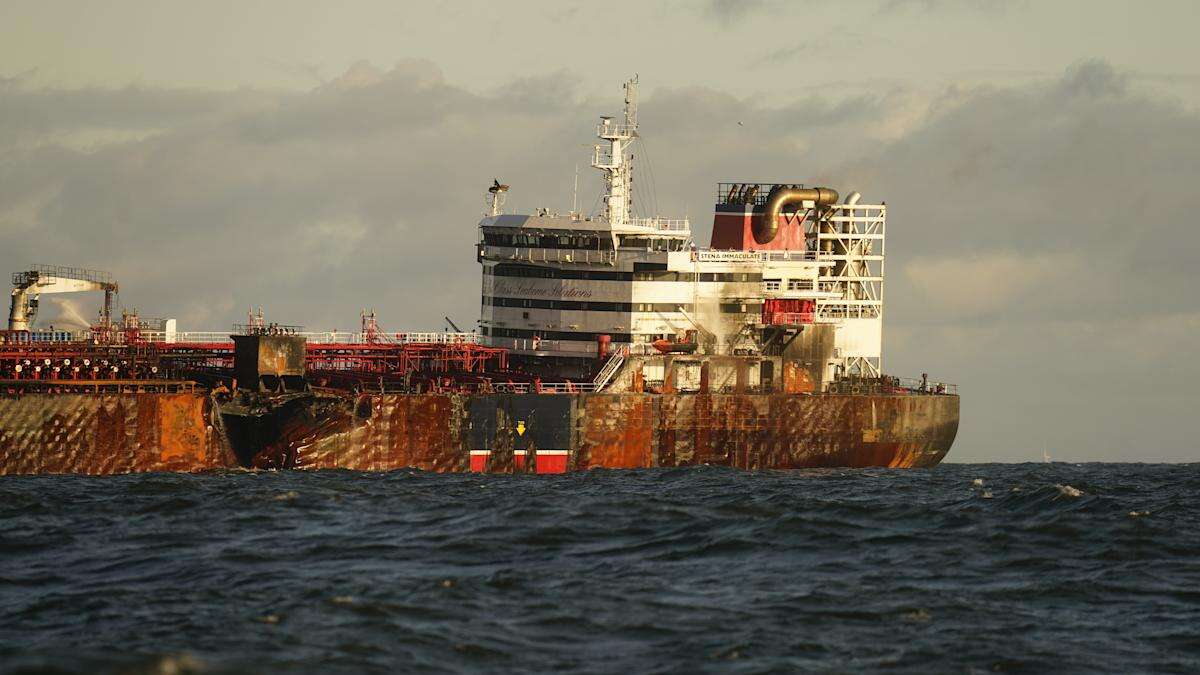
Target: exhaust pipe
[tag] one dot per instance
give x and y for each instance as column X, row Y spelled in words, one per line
column 767, row 225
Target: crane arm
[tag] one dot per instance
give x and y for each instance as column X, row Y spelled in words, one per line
column 29, row 286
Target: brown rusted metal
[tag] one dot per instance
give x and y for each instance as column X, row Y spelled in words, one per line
column 750, row 431
column 110, row 433
column 269, row 362
column 797, row 379
column 613, row 432
column 119, row 433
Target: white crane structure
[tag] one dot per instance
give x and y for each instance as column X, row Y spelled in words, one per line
column 38, row 280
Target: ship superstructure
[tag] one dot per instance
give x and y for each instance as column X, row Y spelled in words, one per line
column 790, row 269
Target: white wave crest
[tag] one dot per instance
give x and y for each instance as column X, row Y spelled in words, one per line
column 1068, row 491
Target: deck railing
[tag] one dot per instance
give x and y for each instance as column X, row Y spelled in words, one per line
column 664, row 224
column 62, row 272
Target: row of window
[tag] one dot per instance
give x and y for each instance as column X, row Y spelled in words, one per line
column 792, row 284
column 553, row 334
column 703, row 276
column 590, row 243
column 534, row 272
column 652, row 244
column 579, row 305
column 578, row 241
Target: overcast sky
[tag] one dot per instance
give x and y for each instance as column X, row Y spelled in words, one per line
column 1040, row 161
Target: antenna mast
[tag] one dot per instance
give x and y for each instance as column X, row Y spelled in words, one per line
column 575, row 193
column 615, row 161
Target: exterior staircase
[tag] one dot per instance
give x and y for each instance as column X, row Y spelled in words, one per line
column 614, row 364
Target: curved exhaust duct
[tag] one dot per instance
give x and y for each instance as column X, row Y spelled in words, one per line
column 767, row 225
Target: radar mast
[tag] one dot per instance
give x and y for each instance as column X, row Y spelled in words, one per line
column 616, row 161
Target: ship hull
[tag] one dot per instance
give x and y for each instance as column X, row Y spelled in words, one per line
column 111, row 433
column 497, row 433
column 552, row 434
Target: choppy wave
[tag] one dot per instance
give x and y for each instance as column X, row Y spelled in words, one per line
column 1015, row 568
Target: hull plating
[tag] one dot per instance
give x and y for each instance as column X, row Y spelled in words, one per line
column 497, row 433
column 108, row 434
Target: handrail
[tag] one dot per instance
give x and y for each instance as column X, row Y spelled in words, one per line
column 611, row 368
column 581, row 256
column 223, row 336
column 893, row 385
column 788, row 318
column 12, row 386
column 665, row 224
column 615, row 130
column 61, row 271
column 717, row 255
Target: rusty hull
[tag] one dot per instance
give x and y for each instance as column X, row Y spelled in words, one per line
column 441, row 432
column 122, row 433
column 110, row 434
column 764, row 431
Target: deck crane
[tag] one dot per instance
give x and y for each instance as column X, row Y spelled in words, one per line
column 30, row 285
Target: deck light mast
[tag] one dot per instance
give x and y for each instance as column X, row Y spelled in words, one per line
column 615, row 161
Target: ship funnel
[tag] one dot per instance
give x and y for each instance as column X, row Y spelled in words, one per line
column 767, row 224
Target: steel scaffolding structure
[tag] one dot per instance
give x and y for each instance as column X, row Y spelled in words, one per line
column 852, row 238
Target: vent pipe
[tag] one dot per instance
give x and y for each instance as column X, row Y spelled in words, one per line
column 767, row 225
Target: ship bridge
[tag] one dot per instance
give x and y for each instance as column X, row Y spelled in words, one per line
column 791, row 269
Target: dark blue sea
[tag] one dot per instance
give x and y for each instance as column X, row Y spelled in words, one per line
column 1027, row 568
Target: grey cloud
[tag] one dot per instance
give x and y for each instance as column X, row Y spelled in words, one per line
column 927, row 6
column 31, row 114
column 830, row 47
column 736, row 10
column 733, row 12
column 18, row 78
column 1080, row 165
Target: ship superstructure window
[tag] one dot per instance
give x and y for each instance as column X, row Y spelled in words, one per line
column 771, row 284
column 689, row 277
column 588, row 242
column 553, row 335
column 584, row 306
column 536, row 272
column 651, row 243
column 799, row 285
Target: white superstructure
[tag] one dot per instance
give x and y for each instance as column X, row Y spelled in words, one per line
column 555, row 284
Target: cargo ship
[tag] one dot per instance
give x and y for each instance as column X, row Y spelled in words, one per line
column 607, row 340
